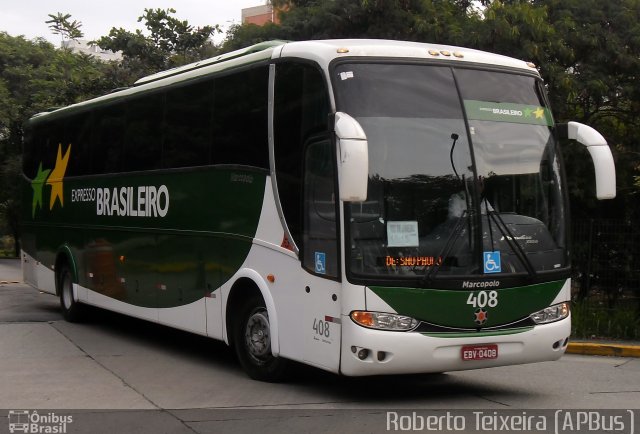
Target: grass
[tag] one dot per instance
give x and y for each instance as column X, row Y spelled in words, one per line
column 590, row 320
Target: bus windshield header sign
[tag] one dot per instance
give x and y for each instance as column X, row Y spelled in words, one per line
column 507, row 112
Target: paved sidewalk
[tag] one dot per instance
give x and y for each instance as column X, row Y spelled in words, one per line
column 10, row 271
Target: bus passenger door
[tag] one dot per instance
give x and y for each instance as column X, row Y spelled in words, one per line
column 320, row 257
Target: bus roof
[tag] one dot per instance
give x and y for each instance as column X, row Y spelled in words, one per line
column 325, row 51
column 321, row 51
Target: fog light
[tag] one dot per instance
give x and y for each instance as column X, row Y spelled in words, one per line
column 383, row 321
column 551, row 313
column 363, row 354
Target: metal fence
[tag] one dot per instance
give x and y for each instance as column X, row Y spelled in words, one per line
column 606, row 278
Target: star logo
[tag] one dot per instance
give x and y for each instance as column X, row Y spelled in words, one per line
column 539, row 113
column 57, row 175
column 481, row 316
column 36, row 185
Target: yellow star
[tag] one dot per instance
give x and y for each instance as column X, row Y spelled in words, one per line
column 57, row 175
column 539, row 113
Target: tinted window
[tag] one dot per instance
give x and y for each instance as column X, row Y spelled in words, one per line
column 109, row 139
column 77, row 134
column 393, row 91
column 301, row 110
column 499, row 87
column 31, row 151
column 51, row 139
column 240, row 118
column 143, row 135
column 189, row 113
column 39, row 147
column 320, row 249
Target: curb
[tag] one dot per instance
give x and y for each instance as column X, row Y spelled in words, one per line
column 600, row 349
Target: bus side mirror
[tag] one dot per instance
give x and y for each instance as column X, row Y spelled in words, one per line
column 353, row 155
column 600, row 154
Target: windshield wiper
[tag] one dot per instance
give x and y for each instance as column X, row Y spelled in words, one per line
column 511, row 241
column 453, row 236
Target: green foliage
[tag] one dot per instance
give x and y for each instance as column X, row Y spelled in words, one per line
column 10, row 173
column 7, row 246
column 241, row 36
column 170, row 43
column 60, row 25
column 589, row 321
column 412, row 20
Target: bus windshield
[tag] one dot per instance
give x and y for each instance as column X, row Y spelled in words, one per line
column 464, row 173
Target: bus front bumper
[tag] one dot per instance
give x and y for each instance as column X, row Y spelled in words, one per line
column 387, row 352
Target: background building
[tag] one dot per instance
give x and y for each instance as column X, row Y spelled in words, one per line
column 260, row 15
column 82, row 46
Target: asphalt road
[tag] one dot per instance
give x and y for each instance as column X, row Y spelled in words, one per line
column 117, row 374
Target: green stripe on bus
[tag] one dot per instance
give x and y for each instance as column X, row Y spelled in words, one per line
column 450, row 308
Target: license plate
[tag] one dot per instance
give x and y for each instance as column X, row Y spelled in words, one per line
column 479, row 352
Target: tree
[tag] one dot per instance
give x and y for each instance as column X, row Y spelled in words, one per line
column 35, row 77
column 60, row 25
column 10, row 172
column 596, row 83
column 413, row 20
column 170, row 43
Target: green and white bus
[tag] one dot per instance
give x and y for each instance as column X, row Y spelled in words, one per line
column 363, row 206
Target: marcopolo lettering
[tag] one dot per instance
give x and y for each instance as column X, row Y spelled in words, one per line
column 141, row 201
column 473, row 285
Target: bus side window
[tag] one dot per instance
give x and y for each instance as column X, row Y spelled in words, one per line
column 77, row 133
column 32, row 152
column 52, row 138
column 320, row 241
column 301, row 107
column 143, row 133
column 189, row 112
column 240, row 118
column 108, row 139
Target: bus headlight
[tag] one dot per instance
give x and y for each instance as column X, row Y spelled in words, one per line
column 551, row 313
column 383, row 321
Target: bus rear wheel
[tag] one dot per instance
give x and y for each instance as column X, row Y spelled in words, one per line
column 252, row 341
column 71, row 308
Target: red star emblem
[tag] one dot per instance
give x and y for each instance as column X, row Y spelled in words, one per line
column 481, row 316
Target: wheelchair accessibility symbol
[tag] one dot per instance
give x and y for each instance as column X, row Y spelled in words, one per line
column 492, row 262
column 321, row 263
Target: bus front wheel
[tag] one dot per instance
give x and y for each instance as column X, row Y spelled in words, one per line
column 71, row 308
column 252, row 341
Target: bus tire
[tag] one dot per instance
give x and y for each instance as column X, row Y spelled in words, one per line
column 252, row 342
column 71, row 308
